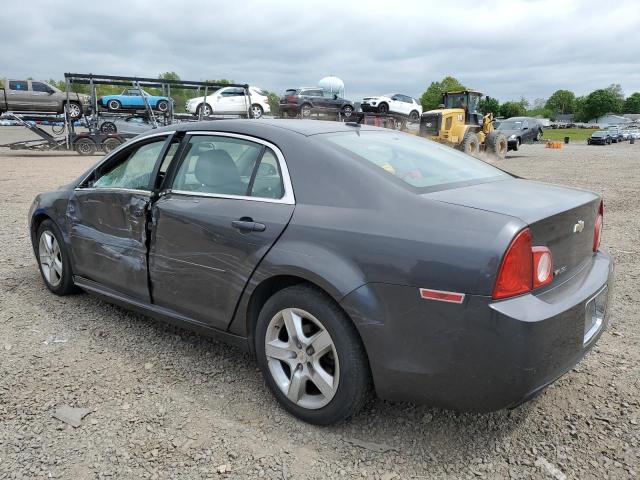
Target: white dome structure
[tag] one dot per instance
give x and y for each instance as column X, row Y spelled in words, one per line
column 332, row 84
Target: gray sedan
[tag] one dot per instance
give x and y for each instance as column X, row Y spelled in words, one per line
column 348, row 259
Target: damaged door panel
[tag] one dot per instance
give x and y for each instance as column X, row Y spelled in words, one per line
column 109, row 238
column 108, row 216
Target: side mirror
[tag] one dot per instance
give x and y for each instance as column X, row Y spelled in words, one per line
column 335, row 97
column 50, row 92
column 525, row 128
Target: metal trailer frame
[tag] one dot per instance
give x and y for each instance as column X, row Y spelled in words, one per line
column 71, row 137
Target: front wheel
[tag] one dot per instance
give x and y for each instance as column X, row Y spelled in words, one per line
column 114, row 105
column 74, row 110
column 305, row 110
column 162, row 106
column 108, row 128
column 53, row 259
column 470, row 144
column 383, row 108
column 256, row 111
column 85, row 146
column 110, row 144
column 311, row 356
column 497, row 144
column 205, row 108
column 347, row 111
column 539, row 136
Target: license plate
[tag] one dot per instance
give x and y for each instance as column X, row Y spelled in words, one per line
column 595, row 314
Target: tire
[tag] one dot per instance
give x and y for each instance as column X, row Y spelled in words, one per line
column 108, row 128
column 53, row 259
column 256, row 111
column 539, row 135
column 305, row 110
column 110, row 144
column 383, row 108
column 85, row 146
column 414, row 116
column 470, row 144
column 589, row 141
column 497, row 144
column 74, row 109
column 608, row 141
column 347, row 111
column 162, row 106
column 206, row 109
column 517, row 146
column 114, row 105
column 315, row 313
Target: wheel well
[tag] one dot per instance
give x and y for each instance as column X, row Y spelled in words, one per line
column 263, row 292
column 35, row 224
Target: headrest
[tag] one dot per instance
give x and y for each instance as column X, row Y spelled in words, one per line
column 215, row 168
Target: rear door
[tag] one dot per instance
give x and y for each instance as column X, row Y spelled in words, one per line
column 18, row 95
column 108, row 218
column 229, row 200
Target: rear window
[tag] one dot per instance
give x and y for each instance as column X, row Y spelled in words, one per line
column 418, row 162
column 291, row 91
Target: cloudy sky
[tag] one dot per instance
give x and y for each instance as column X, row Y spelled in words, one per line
column 506, row 49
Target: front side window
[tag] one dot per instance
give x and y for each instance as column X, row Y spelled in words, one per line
column 229, row 166
column 416, row 161
column 131, row 169
column 18, row 85
column 41, row 87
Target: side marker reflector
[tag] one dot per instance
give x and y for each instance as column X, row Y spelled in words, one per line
column 441, row 295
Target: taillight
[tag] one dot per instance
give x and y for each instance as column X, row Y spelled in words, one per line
column 597, row 233
column 291, row 99
column 523, row 267
column 515, row 275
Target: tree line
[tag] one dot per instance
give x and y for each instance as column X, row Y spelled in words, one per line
column 584, row 108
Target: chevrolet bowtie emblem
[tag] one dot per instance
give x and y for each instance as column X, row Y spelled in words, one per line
column 578, row 227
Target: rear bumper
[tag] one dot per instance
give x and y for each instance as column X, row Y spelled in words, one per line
column 289, row 107
column 480, row 355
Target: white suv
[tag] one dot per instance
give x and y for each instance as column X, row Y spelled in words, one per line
column 231, row 100
column 394, row 103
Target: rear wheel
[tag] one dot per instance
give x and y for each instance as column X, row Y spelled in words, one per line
column 517, row 145
column 108, row 128
column 162, row 106
column 85, row 146
column 311, row 356
column 497, row 144
column 110, row 144
column 539, row 136
column 347, row 111
column 53, row 259
column 114, row 105
column 470, row 144
column 414, row 116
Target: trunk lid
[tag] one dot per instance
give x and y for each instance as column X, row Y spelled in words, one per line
column 560, row 218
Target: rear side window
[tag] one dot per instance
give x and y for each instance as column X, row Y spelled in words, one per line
column 229, row 166
column 18, row 85
column 416, row 161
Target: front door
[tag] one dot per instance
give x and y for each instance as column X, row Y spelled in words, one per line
column 228, row 202
column 43, row 97
column 108, row 219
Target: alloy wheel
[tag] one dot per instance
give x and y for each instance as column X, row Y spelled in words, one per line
column 256, row 111
column 50, row 258
column 73, row 109
column 302, row 358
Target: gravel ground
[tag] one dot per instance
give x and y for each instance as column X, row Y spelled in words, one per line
column 165, row 403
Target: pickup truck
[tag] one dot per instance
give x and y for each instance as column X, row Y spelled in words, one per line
column 34, row 96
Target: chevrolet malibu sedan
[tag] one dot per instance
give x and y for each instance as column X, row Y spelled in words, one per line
column 348, row 259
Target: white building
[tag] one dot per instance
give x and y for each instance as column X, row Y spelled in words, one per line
column 610, row 119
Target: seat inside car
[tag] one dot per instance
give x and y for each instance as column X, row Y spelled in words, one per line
column 216, row 172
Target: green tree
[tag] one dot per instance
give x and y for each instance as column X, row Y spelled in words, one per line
column 632, row 103
column 489, row 105
column 600, row 102
column 274, row 103
column 616, row 90
column 512, row 109
column 432, row 97
column 579, row 112
column 561, row 102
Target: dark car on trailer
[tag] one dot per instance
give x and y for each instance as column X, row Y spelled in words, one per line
column 343, row 257
column 305, row 101
column 519, row 130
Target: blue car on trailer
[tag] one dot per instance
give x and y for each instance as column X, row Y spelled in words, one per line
column 132, row 98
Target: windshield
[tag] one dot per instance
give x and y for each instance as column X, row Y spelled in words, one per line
column 510, row 125
column 414, row 160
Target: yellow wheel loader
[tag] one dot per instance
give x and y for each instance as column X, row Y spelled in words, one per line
column 459, row 124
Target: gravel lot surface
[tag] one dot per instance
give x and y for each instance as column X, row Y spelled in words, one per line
column 165, row 403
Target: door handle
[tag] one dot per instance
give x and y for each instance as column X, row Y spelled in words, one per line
column 246, row 225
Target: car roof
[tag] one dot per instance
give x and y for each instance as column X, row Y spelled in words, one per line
column 302, row 127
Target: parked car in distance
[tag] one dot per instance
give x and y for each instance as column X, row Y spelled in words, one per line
column 615, row 133
column 519, row 130
column 344, row 257
column 232, row 101
column 599, row 137
column 131, row 125
column 34, row 96
column 633, row 133
column 132, row 98
column 304, row 101
column 394, row 103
